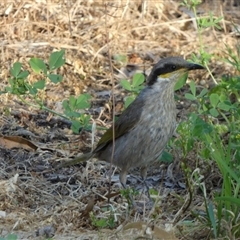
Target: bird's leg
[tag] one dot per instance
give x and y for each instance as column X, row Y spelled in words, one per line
column 143, row 173
column 123, row 180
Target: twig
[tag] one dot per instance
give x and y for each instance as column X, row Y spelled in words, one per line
column 113, row 99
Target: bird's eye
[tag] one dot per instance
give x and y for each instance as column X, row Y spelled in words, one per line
column 174, row 67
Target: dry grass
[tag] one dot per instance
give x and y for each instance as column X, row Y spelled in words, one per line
column 142, row 30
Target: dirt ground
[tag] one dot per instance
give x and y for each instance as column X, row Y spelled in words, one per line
column 37, row 201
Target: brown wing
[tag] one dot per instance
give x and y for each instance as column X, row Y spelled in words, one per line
column 124, row 123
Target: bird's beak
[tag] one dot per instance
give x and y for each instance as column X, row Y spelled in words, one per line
column 193, row 66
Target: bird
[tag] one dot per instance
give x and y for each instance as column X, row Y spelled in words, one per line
column 144, row 128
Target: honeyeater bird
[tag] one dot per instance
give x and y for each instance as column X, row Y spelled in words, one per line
column 145, row 127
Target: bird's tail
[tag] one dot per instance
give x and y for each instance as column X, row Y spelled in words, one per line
column 79, row 159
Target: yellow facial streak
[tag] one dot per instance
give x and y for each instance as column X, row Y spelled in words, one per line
column 168, row 75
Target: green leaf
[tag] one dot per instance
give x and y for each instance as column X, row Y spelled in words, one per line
column 193, row 88
column 166, row 157
column 190, row 96
column 214, row 99
column 38, row 65
column 84, row 119
column 189, row 145
column 40, row 84
column 128, row 101
column 83, row 97
column 200, row 127
column 15, row 70
column 212, row 218
column 223, row 106
column 154, row 192
column 76, row 126
column 72, row 114
column 33, row 90
column 55, row 78
column 229, row 199
column 126, row 85
column 205, row 153
column 72, row 101
column 137, row 89
column 82, row 101
column 214, row 112
column 205, row 57
column 181, row 82
column 101, row 223
column 203, row 93
column 204, row 107
column 23, row 74
column 66, row 105
column 223, row 97
column 56, row 60
column 138, row 79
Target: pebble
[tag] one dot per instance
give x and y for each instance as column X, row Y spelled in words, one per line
column 203, row 82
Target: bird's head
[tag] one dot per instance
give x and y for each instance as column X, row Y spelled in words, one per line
column 170, row 70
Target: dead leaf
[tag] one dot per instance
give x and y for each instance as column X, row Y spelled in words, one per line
column 10, row 142
column 137, row 225
column 156, row 232
column 162, row 234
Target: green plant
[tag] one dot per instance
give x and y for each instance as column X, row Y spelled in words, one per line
column 29, row 93
column 166, row 157
column 128, row 193
column 211, row 146
column 72, row 108
column 204, row 131
column 134, row 87
column 202, row 23
column 9, row 237
column 212, row 132
column 107, row 222
column 233, row 57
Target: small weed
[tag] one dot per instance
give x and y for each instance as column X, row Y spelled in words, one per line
column 128, row 193
column 108, row 222
column 134, row 88
column 28, row 92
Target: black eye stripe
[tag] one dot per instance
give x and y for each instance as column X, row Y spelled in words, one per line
column 170, row 67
